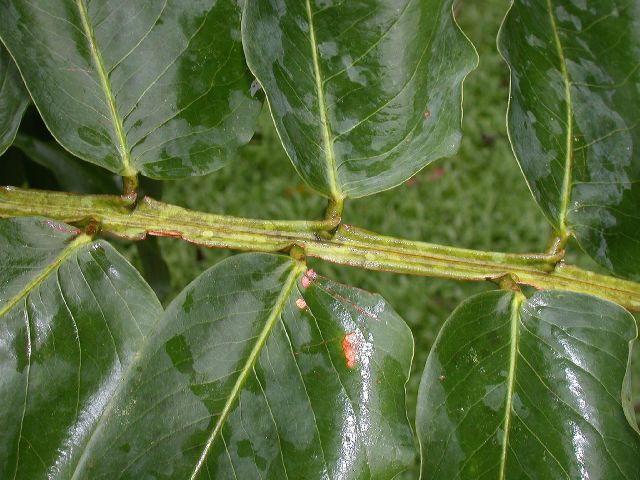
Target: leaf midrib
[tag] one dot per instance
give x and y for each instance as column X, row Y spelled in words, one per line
column 511, row 379
column 77, row 243
column 116, row 120
column 277, row 309
column 322, row 106
column 565, row 193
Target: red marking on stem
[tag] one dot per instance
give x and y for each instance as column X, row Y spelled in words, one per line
column 349, row 347
column 165, row 233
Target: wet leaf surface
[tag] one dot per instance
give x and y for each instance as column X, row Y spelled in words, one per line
column 13, row 99
column 73, row 316
column 363, row 93
column 573, row 119
column 246, row 378
column 258, row 368
column 530, row 388
column 157, row 87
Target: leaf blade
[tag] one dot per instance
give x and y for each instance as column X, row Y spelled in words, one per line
column 245, row 409
column 572, row 122
column 64, row 343
column 568, row 386
column 356, row 110
column 114, row 114
column 112, row 97
column 251, row 360
column 13, row 100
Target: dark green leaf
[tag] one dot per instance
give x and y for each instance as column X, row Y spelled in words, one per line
column 158, row 87
column 364, row 93
column 573, row 119
column 530, row 388
column 13, row 99
column 239, row 382
column 73, row 315
column 71, row 173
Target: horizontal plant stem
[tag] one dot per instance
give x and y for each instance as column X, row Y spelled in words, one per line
column 349, row 246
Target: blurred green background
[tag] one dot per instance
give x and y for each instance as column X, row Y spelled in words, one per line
column 476, row 199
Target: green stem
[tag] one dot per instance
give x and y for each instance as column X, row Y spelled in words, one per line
column 349, row 245
column 333, row 213
column 130, row 186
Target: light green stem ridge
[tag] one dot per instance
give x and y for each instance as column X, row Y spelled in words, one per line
column 349, row 245
column 276, row 311
column 116, row 120
column 69, row 250
column 322, row 106
column 511, row 380
column 568, row 161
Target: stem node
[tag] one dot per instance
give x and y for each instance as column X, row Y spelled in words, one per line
column 509, row 281
column 297, row 252
column 130, row 187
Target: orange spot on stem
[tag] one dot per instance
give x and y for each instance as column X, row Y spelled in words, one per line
column 301, row 304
